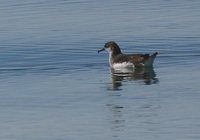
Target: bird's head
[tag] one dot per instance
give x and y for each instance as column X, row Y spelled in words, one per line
column 111, row 47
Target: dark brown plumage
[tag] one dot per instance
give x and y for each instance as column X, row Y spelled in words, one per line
column 116, row 56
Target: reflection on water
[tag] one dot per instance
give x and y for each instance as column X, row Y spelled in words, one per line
column 147, row 75
column 144, row 114
column 49, row 67
column 117, row 120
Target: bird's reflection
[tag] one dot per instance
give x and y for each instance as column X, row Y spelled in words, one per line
column 147, row 75
column 116, row 118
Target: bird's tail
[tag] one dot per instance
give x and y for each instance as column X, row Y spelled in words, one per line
column 150, row 61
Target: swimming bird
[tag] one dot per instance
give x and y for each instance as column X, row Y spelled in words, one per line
column 119, row 60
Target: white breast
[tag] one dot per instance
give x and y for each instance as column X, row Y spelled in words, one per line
column 123, row 65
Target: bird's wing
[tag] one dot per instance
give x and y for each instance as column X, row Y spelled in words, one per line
column 139, row 59
column 136, row 59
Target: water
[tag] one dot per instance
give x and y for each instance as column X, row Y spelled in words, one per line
column 54, row 85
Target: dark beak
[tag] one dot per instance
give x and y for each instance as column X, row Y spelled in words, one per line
column 103, row 49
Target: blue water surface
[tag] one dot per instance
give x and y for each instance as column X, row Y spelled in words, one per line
column 55, row 86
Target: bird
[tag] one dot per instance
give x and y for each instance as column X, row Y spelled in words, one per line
column 118, row 60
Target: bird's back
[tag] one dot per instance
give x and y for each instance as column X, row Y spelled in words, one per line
column 136, row 59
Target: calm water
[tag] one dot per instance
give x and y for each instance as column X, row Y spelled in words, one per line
column 54, row 85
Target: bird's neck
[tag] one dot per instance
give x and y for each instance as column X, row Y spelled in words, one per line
column 111, row 57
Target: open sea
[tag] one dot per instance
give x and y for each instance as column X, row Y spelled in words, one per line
column 55, row 86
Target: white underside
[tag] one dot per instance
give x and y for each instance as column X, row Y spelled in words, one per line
column 127, row 66
column 123, row 65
